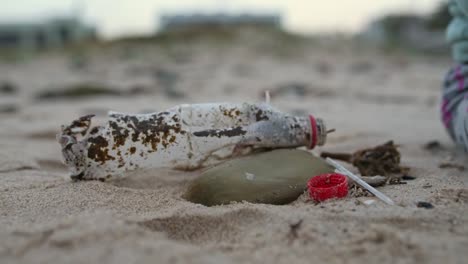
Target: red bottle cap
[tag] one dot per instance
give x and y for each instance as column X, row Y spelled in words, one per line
column 327, row 186
column 318, row 134
column 314, row 132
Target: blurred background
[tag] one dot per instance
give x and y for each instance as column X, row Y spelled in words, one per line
column 60, row 59
column 125, row 17
column 48, row 23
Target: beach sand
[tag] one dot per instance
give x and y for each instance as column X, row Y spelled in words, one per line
column 368, row 96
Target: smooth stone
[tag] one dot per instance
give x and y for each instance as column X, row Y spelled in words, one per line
column 275, row 177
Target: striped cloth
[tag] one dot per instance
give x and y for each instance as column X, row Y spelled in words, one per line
column 455, row 104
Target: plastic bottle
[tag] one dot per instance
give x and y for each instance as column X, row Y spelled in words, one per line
column 184, row 137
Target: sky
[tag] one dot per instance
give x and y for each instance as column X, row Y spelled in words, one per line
column 116, row 18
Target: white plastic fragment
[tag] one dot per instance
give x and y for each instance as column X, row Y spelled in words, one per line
column 249, row 176
column 267, row 97
column 343, row 170
column 368, row 202
column 183, row 137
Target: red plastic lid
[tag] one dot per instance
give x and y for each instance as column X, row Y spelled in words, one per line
column 327, row 186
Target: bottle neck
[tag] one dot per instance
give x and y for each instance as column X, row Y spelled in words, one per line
column 318, row 132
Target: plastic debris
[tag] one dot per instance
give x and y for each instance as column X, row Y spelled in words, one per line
column 184, row 137
column 267, row 97
column 328, row 186
column 378, row 194
column 275, row 177
column 249, row 176
column 368, row 202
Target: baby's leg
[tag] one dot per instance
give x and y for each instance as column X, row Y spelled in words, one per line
column 455, row 104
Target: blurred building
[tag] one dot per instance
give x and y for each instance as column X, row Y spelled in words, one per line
column 31, row 37
column 409, row 31
column 184, row 21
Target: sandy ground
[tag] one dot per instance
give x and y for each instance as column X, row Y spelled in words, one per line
column 367, row 96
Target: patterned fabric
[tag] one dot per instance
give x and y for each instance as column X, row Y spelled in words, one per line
column 455, row 104
column 457, row 30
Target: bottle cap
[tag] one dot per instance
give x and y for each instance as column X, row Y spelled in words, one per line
column 327, row 186
column 318, row 132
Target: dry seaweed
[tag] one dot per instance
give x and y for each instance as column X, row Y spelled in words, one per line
column 380, row 160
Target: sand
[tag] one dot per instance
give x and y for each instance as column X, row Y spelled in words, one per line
column 368, row 96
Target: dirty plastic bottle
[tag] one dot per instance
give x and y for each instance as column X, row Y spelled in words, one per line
column 184, row 137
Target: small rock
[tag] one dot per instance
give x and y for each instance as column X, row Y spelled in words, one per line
column 8, row 88
column 293, row 228
column 425, row 205
column 375, row 181
column 433, row 145
column 408, row 178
